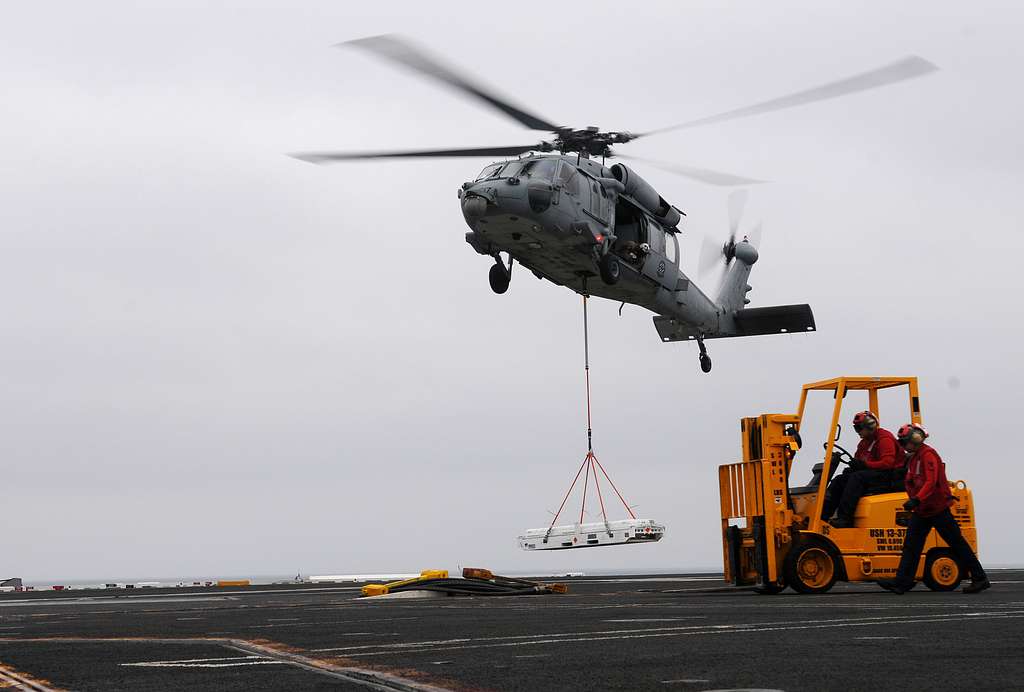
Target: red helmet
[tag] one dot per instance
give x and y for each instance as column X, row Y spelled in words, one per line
column 865, row 420
column 911, row 432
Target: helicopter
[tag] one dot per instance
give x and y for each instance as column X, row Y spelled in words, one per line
column 601, row 229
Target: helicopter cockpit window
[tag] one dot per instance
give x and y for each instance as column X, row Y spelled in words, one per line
column 489, row 171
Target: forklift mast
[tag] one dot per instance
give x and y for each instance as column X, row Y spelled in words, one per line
column 756, row 512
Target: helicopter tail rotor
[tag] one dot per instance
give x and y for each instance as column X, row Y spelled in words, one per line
column 711, row 253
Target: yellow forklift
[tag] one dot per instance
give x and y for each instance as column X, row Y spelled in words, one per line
column 772, row 532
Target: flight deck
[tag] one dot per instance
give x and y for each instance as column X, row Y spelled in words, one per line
column 678, row 632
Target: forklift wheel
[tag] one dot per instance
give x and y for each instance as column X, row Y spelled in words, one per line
column 941, row 570
column 810, row 567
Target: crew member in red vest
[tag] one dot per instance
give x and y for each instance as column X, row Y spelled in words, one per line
column 929, row 501
column 876, row 460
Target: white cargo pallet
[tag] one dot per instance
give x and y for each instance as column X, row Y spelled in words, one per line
column 621, row 532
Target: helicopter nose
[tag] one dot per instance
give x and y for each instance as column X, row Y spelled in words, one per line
column 473, row 207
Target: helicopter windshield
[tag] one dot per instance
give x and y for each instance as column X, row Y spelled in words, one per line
column 511, row 169
column 489, row 171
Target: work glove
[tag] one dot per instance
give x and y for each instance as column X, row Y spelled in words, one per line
column 911, row 504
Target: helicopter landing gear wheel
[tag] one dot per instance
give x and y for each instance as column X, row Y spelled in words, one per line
column 610, row 269
column 499, row 278
column 705, row 359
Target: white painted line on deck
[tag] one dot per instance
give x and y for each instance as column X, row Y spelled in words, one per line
column 880, row 637
column 689, row 617
column 222, row 662
column 685, row 681
column 611, row 635
column 205, row 659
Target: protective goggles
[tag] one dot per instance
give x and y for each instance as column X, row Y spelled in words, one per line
column 866, row 424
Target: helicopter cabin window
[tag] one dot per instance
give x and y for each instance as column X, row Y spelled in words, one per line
column 672, row 248
column 489, row 171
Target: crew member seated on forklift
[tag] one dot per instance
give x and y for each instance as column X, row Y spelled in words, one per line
column 929, row 500
column 877, row 462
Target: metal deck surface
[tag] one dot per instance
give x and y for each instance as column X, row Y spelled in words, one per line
column 659, row 632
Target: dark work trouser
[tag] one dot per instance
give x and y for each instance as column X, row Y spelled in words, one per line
column 848, row 487
column 949, row 530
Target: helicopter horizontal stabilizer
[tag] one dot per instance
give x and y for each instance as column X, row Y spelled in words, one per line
column 777, row 319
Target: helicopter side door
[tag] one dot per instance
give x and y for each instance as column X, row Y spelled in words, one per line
column 661, row 263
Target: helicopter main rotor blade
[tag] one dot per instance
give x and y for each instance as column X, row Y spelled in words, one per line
column 710, row 256
column 401, row 51
column 335, row 156
column 703, row 175
column 908, row 68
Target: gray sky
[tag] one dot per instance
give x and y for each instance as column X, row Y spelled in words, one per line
column 220, row 360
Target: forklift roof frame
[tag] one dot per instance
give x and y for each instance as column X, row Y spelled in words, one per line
column 840, row 386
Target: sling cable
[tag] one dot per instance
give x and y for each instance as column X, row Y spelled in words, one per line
column 595, row 534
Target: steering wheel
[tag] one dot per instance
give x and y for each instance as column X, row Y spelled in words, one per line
column 842, row 456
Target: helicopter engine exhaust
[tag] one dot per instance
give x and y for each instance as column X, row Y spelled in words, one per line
column 640, row 190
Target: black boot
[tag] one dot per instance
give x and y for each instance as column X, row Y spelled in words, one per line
column 978, row 585
column 895, row 586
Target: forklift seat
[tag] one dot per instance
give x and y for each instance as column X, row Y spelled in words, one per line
column 895, row 485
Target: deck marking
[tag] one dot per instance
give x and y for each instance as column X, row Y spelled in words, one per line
column 195, row 660
column 737, row 626
column 23, row 681
column 691, row 617
column 532, row 640
column 158, row 664
column 372, row 679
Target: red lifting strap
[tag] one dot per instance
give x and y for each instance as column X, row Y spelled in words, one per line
column 590, row 462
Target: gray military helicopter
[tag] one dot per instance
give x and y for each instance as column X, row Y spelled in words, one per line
column 569, row 219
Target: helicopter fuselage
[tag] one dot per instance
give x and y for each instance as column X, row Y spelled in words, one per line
column 559, row 215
